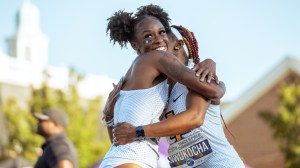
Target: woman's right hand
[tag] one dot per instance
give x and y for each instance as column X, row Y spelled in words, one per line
column 124, row 133
column 206, row 70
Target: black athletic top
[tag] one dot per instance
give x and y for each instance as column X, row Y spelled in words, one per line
column 55, row 149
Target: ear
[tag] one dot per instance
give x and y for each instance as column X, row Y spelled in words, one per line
column 179, row 44
column 134, row 45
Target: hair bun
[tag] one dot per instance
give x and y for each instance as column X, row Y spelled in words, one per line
column 120, row 27
column 156, row 11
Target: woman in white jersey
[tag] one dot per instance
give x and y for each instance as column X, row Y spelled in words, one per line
column 203, row 146
column 224, row 155
column 217, row 151
column 145, row 90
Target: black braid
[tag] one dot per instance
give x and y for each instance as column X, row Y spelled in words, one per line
column 190, row 41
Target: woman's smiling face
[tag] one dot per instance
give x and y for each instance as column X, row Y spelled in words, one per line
column 149, row 35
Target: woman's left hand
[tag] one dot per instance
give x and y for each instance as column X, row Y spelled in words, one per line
column 124, row 133
column 206, row 70
column 112, row 98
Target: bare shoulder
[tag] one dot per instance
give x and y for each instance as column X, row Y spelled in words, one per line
column 150, row 58
column 157, row 62
column 156, row 57
column 157, row 54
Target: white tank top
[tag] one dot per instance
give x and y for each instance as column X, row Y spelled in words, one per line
column 139, row 107
column 224, row 155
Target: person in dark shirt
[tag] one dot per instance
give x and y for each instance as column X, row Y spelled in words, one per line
column 58, row 151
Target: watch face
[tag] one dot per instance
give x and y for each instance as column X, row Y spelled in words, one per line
column 140, row 134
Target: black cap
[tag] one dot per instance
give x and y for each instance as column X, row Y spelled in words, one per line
column 55, row 115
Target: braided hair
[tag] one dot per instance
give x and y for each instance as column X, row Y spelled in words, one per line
column 190, row 41
column 192, row 45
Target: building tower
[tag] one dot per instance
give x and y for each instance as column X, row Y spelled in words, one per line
column 29, row 44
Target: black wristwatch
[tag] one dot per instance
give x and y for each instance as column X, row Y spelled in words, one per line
column 140, row 133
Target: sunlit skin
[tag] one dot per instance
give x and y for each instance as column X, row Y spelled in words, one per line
column 152, row 66
column 193, row 117
column 149, row 30
column 46, row 128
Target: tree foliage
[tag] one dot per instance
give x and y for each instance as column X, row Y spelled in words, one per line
column 286, row 125
column 21, row 126
column 84, row 129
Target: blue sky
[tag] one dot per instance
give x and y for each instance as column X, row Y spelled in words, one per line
column 245, row 38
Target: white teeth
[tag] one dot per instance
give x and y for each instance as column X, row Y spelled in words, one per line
column 162, row 48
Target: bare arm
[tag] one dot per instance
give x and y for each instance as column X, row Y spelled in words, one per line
column 192, row 118
column 169, row 65
column 108, row 113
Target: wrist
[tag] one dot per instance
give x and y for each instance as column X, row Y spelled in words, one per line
column 140, row 133
column 107, row 117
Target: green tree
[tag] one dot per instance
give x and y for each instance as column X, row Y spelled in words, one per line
column 84, row 130
column 286, row 125
column 21, row 126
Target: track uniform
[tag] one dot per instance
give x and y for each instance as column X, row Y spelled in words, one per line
column 223, row 153
column 137, row 107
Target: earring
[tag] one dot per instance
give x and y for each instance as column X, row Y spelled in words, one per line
column 176, row 48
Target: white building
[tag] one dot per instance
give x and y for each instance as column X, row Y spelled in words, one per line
column 27, row 59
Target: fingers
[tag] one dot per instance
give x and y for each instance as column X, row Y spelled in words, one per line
column 119, row 129
column 119, row 85
column 119, row 139
column 115, row 141
column 195, row 68
column 122, row 140
column 209, row 78
column 116, row 137
column 120, row 123
column 112, row 100
column 117, row 89
column 113, row 97
column 212, row 77
column 204, row 74
column 124, row 133
column 199, row 71
column 216, row 79
column 206, row 70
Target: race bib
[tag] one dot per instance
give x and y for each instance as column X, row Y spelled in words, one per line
column 190, row 151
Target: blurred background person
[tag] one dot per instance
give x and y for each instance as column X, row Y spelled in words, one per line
column 58, row 150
